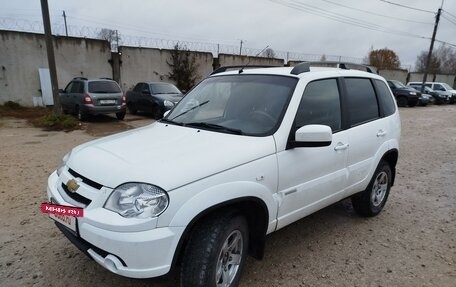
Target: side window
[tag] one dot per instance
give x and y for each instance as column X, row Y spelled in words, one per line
column 320, row 104
column 68, row 87
column 438, row 87
column 78, row 87
column 385, row 99
column 362, row 102
column 137, row 88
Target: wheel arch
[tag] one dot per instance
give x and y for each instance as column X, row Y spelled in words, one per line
column 253, row 208
column 391, row 158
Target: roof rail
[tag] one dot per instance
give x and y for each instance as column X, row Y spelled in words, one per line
column 345, row 66
column 80, row 78
column 106, row 78
column 239, row 67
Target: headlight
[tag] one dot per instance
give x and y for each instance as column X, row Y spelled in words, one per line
column 168, row 104
column 413, row 93
column 63, row 163
column 136, row 199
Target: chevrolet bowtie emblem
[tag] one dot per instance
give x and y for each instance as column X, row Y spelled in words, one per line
column 72, row 185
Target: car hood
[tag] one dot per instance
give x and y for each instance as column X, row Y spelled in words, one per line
column 165, row 155
column 170, row 97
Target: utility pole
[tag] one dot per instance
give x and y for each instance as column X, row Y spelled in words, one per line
column 117, row 40
column 64, row 20
column 50, row 55
column 240, row 49
column 428, row 62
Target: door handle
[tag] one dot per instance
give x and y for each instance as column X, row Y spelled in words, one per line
column 381, row 133
column 341, row 146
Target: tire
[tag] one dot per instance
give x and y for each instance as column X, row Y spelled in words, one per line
column 371, row 201
column 120, row 115
column 156, row 113
column 80, row 114
column 210, row 249
column 132, row 108
column 412, row 104
column 402, row 101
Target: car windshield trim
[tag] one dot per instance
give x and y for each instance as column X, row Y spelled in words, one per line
column 210, row 126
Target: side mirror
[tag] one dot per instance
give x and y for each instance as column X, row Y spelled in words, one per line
column 312, row 136
column 146, row 92
column 61, row 91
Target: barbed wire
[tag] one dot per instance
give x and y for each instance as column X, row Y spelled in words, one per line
column 58, row 29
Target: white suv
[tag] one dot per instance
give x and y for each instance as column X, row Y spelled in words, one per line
column 243, row 154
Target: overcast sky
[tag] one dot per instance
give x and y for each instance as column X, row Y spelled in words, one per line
column 302, row 26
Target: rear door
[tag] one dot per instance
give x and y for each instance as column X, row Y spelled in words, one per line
column 368, row 130
column 313, row 177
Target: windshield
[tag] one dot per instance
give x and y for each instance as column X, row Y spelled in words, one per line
column 448, row 87
column 104, row 87
column 248, row 104
column 164, row 89
column 398, row 84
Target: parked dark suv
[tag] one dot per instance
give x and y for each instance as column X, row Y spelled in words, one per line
column 85, row 97
column 405, row 96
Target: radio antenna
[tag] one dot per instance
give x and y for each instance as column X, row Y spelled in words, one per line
column 242, row 69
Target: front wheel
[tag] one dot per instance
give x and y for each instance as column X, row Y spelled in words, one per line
column 402, row 102
column 216, row 252
column 372, row 200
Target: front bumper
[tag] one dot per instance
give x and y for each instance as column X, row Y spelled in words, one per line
column 142, row 254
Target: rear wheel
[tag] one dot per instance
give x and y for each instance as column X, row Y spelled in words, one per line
column 132, row 108
column 372, row 200
column 402, row 101
column 120, row 115
column 80, row 114
column 216, row 252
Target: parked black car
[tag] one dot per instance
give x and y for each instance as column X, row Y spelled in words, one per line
column 85, row 97
column 155, row 98
column 404, row 95
column 441, row 97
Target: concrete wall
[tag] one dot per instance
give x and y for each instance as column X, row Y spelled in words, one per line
column 22, row 54
column 233, row 60
column 149, row 65
column 399, row 75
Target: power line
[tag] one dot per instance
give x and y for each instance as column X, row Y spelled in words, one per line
column 449, row 19
column 449, row 14
column 342, row 18
column 377, row 14
column 408, row 7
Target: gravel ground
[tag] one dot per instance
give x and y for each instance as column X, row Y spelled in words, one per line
column 411, row 243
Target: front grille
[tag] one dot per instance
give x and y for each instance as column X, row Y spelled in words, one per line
column 85, row 179
column 76, row 196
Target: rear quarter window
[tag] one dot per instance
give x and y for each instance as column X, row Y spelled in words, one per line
column 386, row 101
column 104, row 87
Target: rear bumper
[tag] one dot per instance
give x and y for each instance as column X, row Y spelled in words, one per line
column 96, row 110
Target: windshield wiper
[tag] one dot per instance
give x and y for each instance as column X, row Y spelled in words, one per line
column 163, row 120
column 191, row 109
column 214, row 127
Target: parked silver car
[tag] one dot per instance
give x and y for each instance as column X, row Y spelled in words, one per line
column 85, row 97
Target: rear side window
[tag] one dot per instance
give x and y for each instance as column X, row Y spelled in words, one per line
column 385, row 99
column 362, row 102
column 77, row 87
column 320, row 104
column 103, row 87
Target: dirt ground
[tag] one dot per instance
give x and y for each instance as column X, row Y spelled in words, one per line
column 411, row 243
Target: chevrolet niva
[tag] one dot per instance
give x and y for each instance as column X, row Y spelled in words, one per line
column 246, row 152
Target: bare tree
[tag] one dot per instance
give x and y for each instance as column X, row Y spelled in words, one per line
column 183, row 67
column 323, row 58
column 421, row 60
column 268, row 53
column 384, row 59
column 447, row 58
column 112, row 36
